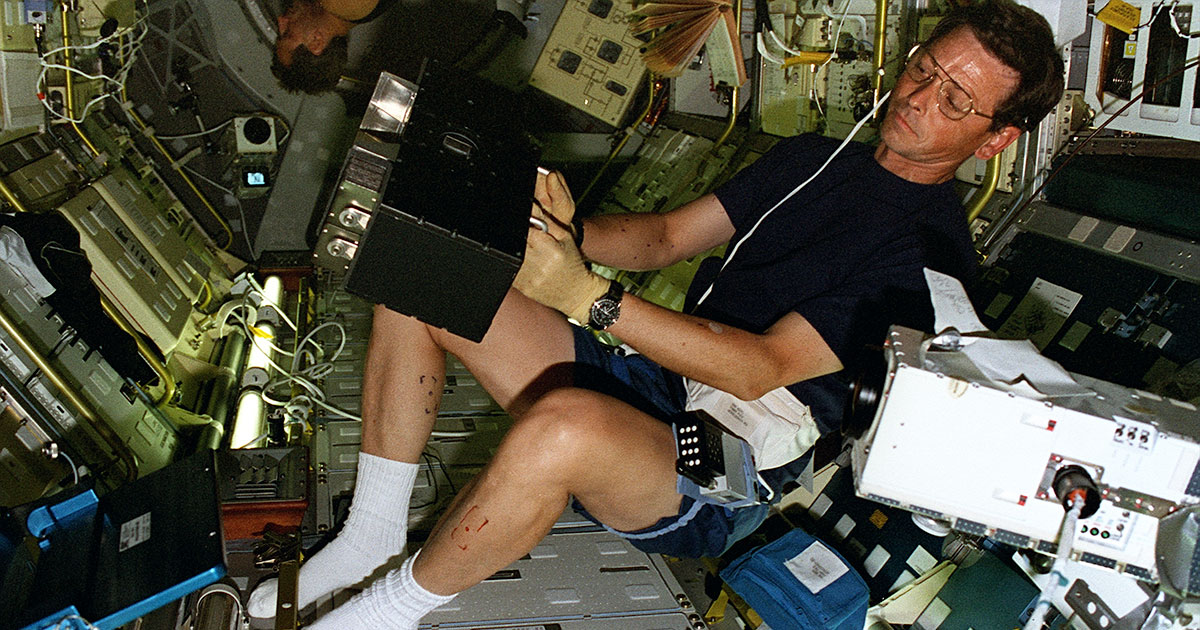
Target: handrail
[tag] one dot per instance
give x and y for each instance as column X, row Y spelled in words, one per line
column 148, row 353
column 987, row 188
column 82, row 406
column 877, row 55
column 11, row 197
column 70, row 100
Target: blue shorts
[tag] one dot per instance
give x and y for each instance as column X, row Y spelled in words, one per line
column 699, row 529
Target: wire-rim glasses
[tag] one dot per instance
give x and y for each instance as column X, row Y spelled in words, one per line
column 953, row 101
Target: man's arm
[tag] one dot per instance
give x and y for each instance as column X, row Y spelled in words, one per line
column 742, row 363
column 640, row 242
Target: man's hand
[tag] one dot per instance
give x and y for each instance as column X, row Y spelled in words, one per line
column 552, row 195
column 554, row 273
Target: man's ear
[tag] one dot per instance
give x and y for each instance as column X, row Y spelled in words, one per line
column 997, row 142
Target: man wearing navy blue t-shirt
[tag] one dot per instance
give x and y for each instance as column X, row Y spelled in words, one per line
column 812, row 279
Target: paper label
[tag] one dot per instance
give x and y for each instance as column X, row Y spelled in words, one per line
column 134, row 532
column 816, row 567
column 1041, row 313
column 1120, row 15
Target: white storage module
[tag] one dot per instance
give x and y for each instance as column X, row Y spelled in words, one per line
column 1120, row 67
column 950, row 444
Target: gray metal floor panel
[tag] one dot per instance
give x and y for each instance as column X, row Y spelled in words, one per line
column 666, row 621
column 571, row 577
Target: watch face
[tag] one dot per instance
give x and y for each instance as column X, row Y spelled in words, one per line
column 604, row 312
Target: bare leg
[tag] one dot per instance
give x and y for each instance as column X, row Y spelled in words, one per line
column 402, row 389
column 618, row 461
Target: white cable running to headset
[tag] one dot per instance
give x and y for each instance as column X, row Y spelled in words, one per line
column 733, row 251
column 1066, row 540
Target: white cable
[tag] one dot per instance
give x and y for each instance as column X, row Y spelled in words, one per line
column 71, row 463
column 1066, row 539
column 345, row 414
column 785, row 47
column 315, row 394
column 65, row 620
column 838, row 33
column 761, row 45
column 857, row 19
column 98, row 42
column 74, row 70
column 224, row 589
column 196, row 134
column 122, row 73
column 309, row 339
column 1175, row 24
column 250, row 332
column 1153, row 15
column 86, row 108
column 733, row 251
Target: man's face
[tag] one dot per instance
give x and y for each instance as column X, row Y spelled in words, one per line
column 920, row 142
column 299, row 26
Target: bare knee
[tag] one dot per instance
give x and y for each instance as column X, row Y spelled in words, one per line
column 618, row 461
column 563, row 425
column 565, row 413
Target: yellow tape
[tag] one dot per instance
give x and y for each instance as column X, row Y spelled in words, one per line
column 1120, row 15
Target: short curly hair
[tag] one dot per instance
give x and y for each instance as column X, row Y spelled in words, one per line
column 1023, row 40
column 313, row 74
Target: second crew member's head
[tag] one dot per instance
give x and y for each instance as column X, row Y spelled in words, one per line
column 311, row 50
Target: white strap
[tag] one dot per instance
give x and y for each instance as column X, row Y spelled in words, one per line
column 778, row 427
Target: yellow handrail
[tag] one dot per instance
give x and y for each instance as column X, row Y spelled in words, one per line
column 147, row 353
column 987, row 188
column 82, row 406
column 877, row 56
column 70, row 100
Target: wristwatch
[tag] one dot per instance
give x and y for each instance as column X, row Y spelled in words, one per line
column 607, row 308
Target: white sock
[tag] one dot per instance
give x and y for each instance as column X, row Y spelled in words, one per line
column 373, row 533
column 393, row 602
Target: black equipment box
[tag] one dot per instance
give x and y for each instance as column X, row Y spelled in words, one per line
column 449, row 233
column 114, row 558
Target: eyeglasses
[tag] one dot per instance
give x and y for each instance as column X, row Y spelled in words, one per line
column 953, row 101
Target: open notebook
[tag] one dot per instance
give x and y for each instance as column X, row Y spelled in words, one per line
column 680, row 28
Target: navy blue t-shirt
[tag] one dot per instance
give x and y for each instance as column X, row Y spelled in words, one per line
column 846, row 252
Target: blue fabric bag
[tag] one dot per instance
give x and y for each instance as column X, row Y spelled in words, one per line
column 799, row 583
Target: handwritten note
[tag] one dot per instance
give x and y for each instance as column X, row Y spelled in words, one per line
column 951, row 306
